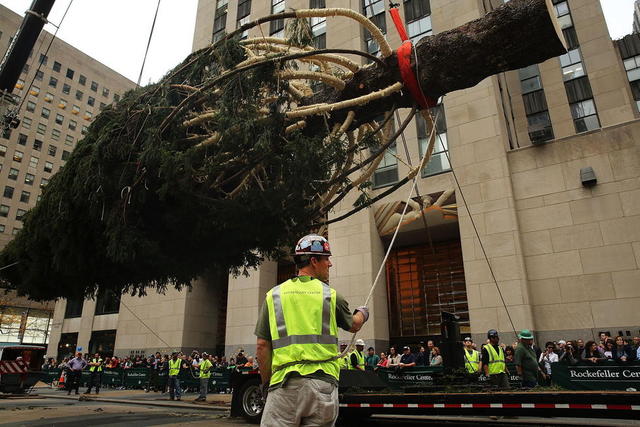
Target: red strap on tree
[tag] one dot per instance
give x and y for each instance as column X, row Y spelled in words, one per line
column 404, row 62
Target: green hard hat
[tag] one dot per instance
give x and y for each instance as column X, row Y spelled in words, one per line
column 525, row 334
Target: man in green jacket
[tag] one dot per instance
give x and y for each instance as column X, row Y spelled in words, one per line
column 526, row 360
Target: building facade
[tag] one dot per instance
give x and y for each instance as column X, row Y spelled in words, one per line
column 59, row 92
column 521, row 240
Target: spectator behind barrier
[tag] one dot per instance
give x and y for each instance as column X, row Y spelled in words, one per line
column 592, row 354
column 384, row 360
column 622, row 352
column 394, row 358
column 436, row 358
column 570, row 354
column 371, row 360
column 509, row 354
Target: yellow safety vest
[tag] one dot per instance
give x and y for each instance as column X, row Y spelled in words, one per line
column 359, row 358
column 302, row 321
column 93, row 368
column 205, row 368
column 344, row 361
column 496, row 360
column 174, row 367
column 472, row 361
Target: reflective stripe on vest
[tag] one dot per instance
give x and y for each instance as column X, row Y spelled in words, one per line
column 471, row 361
column 174, row 367
column 303, row 327
column 496, row 360
column 93, row 368
column 359, row 358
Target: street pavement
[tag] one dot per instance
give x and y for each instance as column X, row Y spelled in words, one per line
column 113, row 407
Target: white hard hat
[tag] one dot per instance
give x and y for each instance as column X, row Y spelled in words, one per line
column 360, row 342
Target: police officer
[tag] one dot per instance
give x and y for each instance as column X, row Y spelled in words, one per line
column 175, row 363
column 356, row 359
column 297, row 345
column 95, row 367
column 471, row 357
column 205, row 373
column 494, row 362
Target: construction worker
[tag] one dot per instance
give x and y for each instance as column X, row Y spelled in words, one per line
column 297, row 344
column 344, row 360
column 205, row 373
column 356, row 358
column 493, row 361
column 471, row 357
column 95, row 367
column 175, row 364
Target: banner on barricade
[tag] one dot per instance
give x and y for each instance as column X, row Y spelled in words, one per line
column 112, row 377
column 409, row 377
column 596, row 377
column 136, row 377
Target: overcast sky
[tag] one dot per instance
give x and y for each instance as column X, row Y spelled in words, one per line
column 115, row 32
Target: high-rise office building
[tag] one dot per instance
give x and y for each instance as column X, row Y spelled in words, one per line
column 60, row 92
column 525, row 238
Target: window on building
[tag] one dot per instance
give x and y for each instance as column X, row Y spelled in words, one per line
column 82, row 80
column 20, row 213
column 22, row 139
column 276, row 28
column 4, row 211
column 439, row 161
column 56, row 66
column 17, row 156
column 418, row 17
column 8, row 192
column 26, row 122
column 13, row 174
column 66, row 89
column 59, row 119
column 72, row 124
column 88, row 115
column 374, row 10
column 319, row 25
column 94, row 86
column 564, row 15
column 3, row 150
column 48, row 97
column 31, row 106
column 585, row 116
column 55, row 134
column 242, row 17
column 28, row 179
column 70, row 73
column 25, row 196
column 84, row 130
column 116, row 97
column 6, row 133
column 19, row 84
column 79, row 95
column 1, row 228
column 45, row 112
column 48, row 167
column 75, row 109
column 35, row 90
column 632, row 66
column 68, row 140
column 571, row 63
column 33, row 162
column 73, row 308
column 25, row 69
column 65, row 155
column 43, row 59
column 103, row 342
column 107, row 302
column 53, row 82
column 15, row 231
column 91, row 101
column 39, row 75
column 102, row 106
column 105, row 92
column 44, row 182
column 62, row 104
column 42, row 129
column 52, row 150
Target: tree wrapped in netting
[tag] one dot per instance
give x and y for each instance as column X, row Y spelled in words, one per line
column 242, row 148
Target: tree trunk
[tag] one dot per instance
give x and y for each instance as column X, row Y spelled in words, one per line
column 516, row 35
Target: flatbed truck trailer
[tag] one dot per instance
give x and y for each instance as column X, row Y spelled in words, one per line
column 363, row 394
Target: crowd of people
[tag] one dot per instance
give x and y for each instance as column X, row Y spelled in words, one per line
column 198, row 364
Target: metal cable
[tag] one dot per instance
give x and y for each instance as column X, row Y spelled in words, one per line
column 146, row 52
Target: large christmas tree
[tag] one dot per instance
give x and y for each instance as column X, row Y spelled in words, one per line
column 243, row 147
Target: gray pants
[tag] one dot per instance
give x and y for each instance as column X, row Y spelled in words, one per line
column 174, row 388
column 204, row 388
column 302, row 401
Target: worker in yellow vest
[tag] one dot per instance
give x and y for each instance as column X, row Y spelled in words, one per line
column 95, row 368
column 471, row 357
column 493, row 361
column 205, row 367
column 356, row 358
column 344, row 360
column 297, row 345
column 175, row 364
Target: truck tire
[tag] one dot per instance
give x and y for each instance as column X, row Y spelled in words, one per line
column 250, row 400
